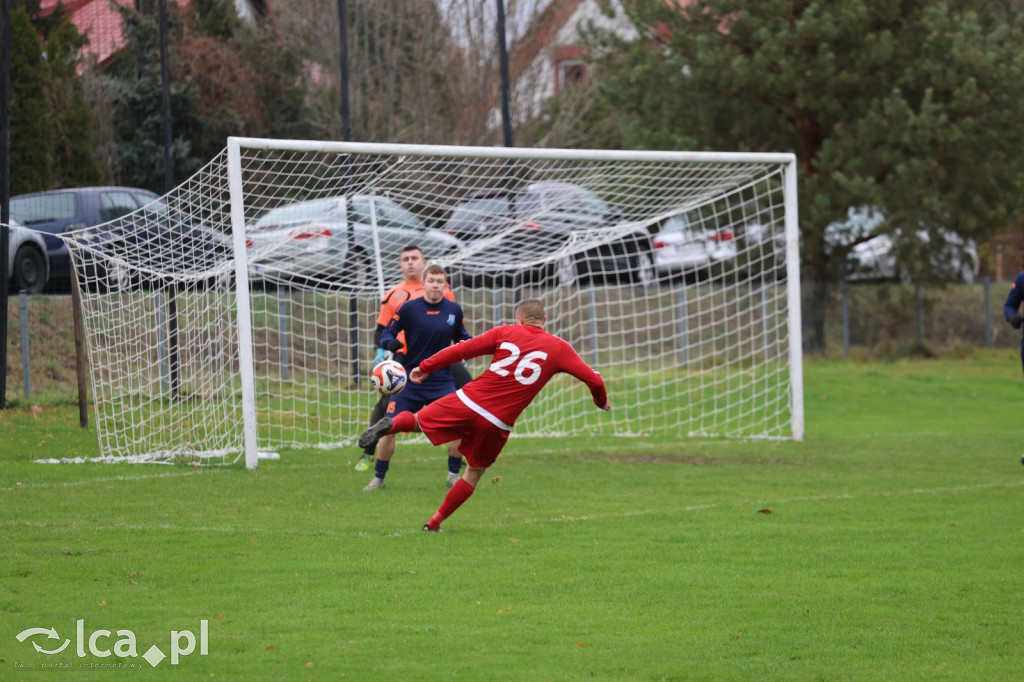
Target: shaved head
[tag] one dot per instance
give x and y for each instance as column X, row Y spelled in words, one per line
column 531, row 311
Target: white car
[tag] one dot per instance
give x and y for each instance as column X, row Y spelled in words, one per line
column 308, row 242
column 884, row 256
column 681, row 248
column 27, row 262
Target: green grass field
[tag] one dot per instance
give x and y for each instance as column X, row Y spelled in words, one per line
column 889, row 545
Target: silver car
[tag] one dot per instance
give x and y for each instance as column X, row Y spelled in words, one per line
column 681, row 248
column 308, row 242
column 873, row 254
column 27, row 262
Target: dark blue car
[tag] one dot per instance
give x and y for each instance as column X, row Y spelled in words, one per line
column 144, row 238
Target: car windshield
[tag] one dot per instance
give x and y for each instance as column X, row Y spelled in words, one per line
column 387, row 213
column 576, row 200
column 473, row 211
column 157, row 210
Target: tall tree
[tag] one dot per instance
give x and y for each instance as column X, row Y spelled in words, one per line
column 244, row 80
column 911, row 107
column 132, row 83
column 74, row 123
column 31, row 137
column 227, row 78
column 419, row 72
column 53, row 140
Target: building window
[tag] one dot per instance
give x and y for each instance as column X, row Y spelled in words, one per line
column 570, row 72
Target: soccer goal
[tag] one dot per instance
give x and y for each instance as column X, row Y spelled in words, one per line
column 236, row 316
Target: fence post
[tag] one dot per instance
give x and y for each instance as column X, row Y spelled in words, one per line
column 765, row 316
column 26, row 380
column 683, row 341
column 81, row 371
column 988, row 311
column 283, row 323
column 846, row 319
column 918, row 315
column 593, row 326
column 161, row 336
column 496, row 303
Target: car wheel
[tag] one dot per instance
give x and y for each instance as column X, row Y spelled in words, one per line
column 29, row 272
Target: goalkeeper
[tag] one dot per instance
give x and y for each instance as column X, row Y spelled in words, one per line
column 1011, row 309
column 412, row 264
column 431, row 323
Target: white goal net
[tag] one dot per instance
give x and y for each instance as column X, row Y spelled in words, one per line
column 237, row 314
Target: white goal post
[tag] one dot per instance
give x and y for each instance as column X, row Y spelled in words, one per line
column 236, row 316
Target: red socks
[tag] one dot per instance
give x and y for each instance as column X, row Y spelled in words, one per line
column 403, row 422
column 459, row 493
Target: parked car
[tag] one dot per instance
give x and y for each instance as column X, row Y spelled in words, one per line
column 885, row 256
column 57, row 211
column 683, row 248
column 308, row 242
column 514, row 230
column 27, row 263
column 155, row 246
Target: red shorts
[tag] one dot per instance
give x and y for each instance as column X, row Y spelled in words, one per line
column 448, row 419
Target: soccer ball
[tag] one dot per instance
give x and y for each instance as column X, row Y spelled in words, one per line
column 388, row 377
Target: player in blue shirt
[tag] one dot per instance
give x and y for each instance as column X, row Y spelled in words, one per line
column 1011, row 309
column 431, row 323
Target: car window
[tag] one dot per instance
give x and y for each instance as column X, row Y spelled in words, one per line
column 155, row 209
column 117, row 204
column 388, row 213
column 44, row 208
column 298, row 211
column 529, row 205
column 676, row 223
column 567, row 200
column 473, row 211
column 592, row 204
column 396, row 216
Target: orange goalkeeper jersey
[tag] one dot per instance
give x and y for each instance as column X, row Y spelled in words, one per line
column 399, row 294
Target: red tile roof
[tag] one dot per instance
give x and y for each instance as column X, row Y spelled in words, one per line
column 99, row 21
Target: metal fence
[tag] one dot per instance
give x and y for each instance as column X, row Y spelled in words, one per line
column 877, row 321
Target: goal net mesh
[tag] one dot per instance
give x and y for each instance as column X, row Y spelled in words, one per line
column 666, row 272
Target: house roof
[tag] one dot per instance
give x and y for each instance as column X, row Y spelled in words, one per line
column 524, row 51
column 99, row 21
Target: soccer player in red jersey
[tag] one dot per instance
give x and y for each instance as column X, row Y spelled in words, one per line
column 482, row 413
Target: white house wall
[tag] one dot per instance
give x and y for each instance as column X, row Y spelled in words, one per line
column 537, row 83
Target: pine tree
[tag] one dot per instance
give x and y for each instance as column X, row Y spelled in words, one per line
column 31, row 135
column 912, row 108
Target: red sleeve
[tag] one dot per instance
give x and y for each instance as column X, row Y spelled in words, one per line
column 463, row 350
column 574, row 365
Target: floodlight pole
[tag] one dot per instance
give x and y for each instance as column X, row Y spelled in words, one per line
column 5, row 189
column 174, row 351
column 346, row 136
column 506, row 117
